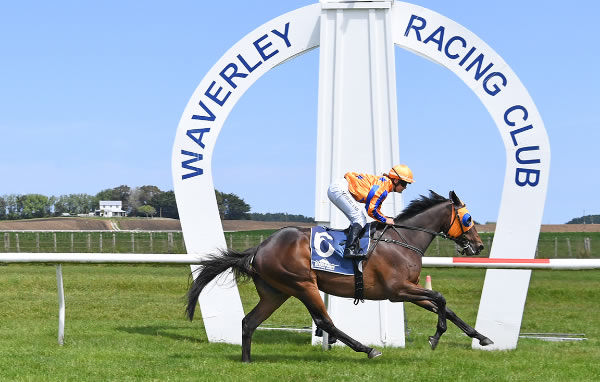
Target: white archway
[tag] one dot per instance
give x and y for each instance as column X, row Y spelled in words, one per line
column 423, row 32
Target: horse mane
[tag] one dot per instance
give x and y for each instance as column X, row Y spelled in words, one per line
column 421, row 204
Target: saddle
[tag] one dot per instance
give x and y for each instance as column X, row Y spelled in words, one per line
column 327, row 249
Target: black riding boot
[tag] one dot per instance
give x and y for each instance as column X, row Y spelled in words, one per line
column 352, row 245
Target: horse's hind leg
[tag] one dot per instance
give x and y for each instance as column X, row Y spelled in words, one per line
column 270, row 300
column 468, row 330
column 313, row 302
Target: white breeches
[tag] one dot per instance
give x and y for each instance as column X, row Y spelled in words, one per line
column 340, row 196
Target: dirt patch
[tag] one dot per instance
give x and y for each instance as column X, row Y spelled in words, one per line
column 571, row 228
column 163, row 224
column 56, row 224
column 137, row 224
column 251, row 225
column 550, row 228
column 149, row 224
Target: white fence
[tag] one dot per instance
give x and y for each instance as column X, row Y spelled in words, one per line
column 110, row 258
column 431, row 262
column 478, row 262
column 92, row 241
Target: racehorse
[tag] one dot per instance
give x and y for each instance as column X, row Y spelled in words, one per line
column 280, row 267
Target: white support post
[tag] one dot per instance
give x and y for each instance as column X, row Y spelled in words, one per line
column 61, row 305
column 357, row 131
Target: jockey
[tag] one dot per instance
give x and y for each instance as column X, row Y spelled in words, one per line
column 354, row 188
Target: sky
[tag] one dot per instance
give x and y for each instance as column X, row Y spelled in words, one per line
column 91, row 94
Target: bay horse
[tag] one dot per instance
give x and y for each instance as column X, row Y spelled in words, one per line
column 280, row 267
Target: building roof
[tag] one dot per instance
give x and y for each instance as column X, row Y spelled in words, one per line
column 111, row 203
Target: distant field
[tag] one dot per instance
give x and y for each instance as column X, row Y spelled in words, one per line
column 550, row 244
column 164, row 224
column 555, row 241
column 141, row 224
column 92, row 223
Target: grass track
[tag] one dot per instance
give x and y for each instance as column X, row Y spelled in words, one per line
column 126, row 322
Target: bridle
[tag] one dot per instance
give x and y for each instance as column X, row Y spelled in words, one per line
column 460, row 239
column 457, row 220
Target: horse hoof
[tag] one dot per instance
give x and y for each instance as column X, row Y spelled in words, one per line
column 433, row 342
column 485, row 342
column 374, row 353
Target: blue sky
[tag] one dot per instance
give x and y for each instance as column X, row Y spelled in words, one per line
column 91, row 94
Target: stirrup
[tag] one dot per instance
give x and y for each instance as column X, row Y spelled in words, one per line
column 350, row 254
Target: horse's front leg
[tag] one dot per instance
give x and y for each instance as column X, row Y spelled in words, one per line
column 415, row 293
column 442, row 326
column 450, row 315
column 470, row 331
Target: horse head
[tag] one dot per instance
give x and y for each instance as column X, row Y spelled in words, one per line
column 462, row 228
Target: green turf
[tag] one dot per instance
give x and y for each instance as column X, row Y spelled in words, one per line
column 126, row 322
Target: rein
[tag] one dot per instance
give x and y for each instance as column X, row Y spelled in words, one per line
column 413, row 228
column 400, row 243
column 434, row 233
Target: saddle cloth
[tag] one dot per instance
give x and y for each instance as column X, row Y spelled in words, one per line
column 327, row 252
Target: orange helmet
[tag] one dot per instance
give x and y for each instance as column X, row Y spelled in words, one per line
column 401, row 171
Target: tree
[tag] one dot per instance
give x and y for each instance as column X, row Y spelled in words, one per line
column 141, row 196
column 587, row 219
column 220, row 203
column 165, row 204
column 232, row 207
column 61, row 205
column 12, row 211
column 147, row 210
column 280, row 217
column 74, row 204
column 3, row 205
column 34, row 206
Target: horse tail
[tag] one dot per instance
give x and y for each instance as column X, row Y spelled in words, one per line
column 239, row 262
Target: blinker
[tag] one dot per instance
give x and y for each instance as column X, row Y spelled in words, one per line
column 461, row 222
column 465, row 218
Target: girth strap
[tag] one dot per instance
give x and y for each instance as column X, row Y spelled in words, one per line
column 359, row 290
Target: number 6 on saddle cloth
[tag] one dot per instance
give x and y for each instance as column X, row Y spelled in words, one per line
column 327, row 249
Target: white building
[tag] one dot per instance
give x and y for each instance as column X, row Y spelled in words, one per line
column 110, row 208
